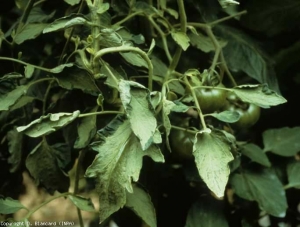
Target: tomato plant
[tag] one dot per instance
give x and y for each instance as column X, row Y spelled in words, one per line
column 98, row 97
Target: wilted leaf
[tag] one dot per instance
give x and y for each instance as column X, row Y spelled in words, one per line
column 140, row 203
column 259, row 95
column 204, row 43
column 136, row 101
column 293, row 173
column 10, row 206
column 48, row 124
column 256, row 154
column 43, row 167
column 82, row 203
column 181, row 39
column 9, row 99
column 206, row 212
column 72, row 2
column 243, row 54
column 60, row 68
column 227, row 116
column 15, row 146
column 29, row 31
column 272, row 16
column 212, row 155
column 263, row 187
column 117, row 164
column 65, row 22
column 86, row 130
column 284, row 141
column 134, row 59
column 29, row 70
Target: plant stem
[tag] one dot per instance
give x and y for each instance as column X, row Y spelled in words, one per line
column 224, row 64
column 104, row 51
column 100, row 113
column 227, row 18
column 117, row 24
column 46, row 202
column 183, row 129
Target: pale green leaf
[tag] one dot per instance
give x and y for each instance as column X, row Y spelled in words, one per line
column 11, row 98
column 10, row 206
column 29, row 70
column 117, row 164
column 259, row 95
column 103, row 8
column 137, row 104
column 60, row 68
column 111, row 73
column 262, row 187
column 181, row 39
column 226, row 3
column 204, row 43
column 29, row 31
column 293, row 173
column 256, row 154
column 167, row 107
column 227, row 116
column 86, row 130
column 72, row 2
column 212, row 155
column 140, row 203
column 206, row 212
column 48, row 124
column 82, row 203
column 152, row 45
column 43, row 166
column 172, row 12
column 155, row 98
column 179, row 107
column 65, row 22
column 110, row 38
column 283, row 141
column 134, row 59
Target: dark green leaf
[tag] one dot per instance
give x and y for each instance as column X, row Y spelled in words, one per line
column 140, row 203
column 212, row 155
column 48, row 124
column 43, row 167
column 263, row 187
column 10, row 206
column 256, row 154
column 11, row 98
column 206, row 212
column 272, row 16
column 227, row 116
column 283, row 141
column 24, row 100
column 15, row 147
column 136, row 101
column 293, row 173
column 82, row 203
column 86, row 130
column 259, row 95
column 29, row 31
column 134, row 59
column 37, row 15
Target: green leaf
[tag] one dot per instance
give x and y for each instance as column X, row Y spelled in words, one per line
column 11, row 98
column 256, row 154
column 48, row 124
column 259, row 95
column 107, row 70
column 29, row 70
column 10, row 206
column 134, row 59
column 137, row 104
column 181, row 39
column 15, row 146
column 283, row 141
column 60, row 68
column 86, row 130
column 72, row 2
column 243, row 54
column 37, row 15
column 263, row 187
column 226, row 3
column 140, row 203
column 29, row 31
column 227, row 116
column 203, row 42
column 179, row 107
column 103, row 8
column 82, row 203
column 172, row 12
column 167, row 106
column 276, row 16
column 117, row 164
column 43, row 167
column 293, row 173
column 206, row 212
column 64, row 23
column 24, row 100
column 110, row 38
column 75, row 78
column 212, row 155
